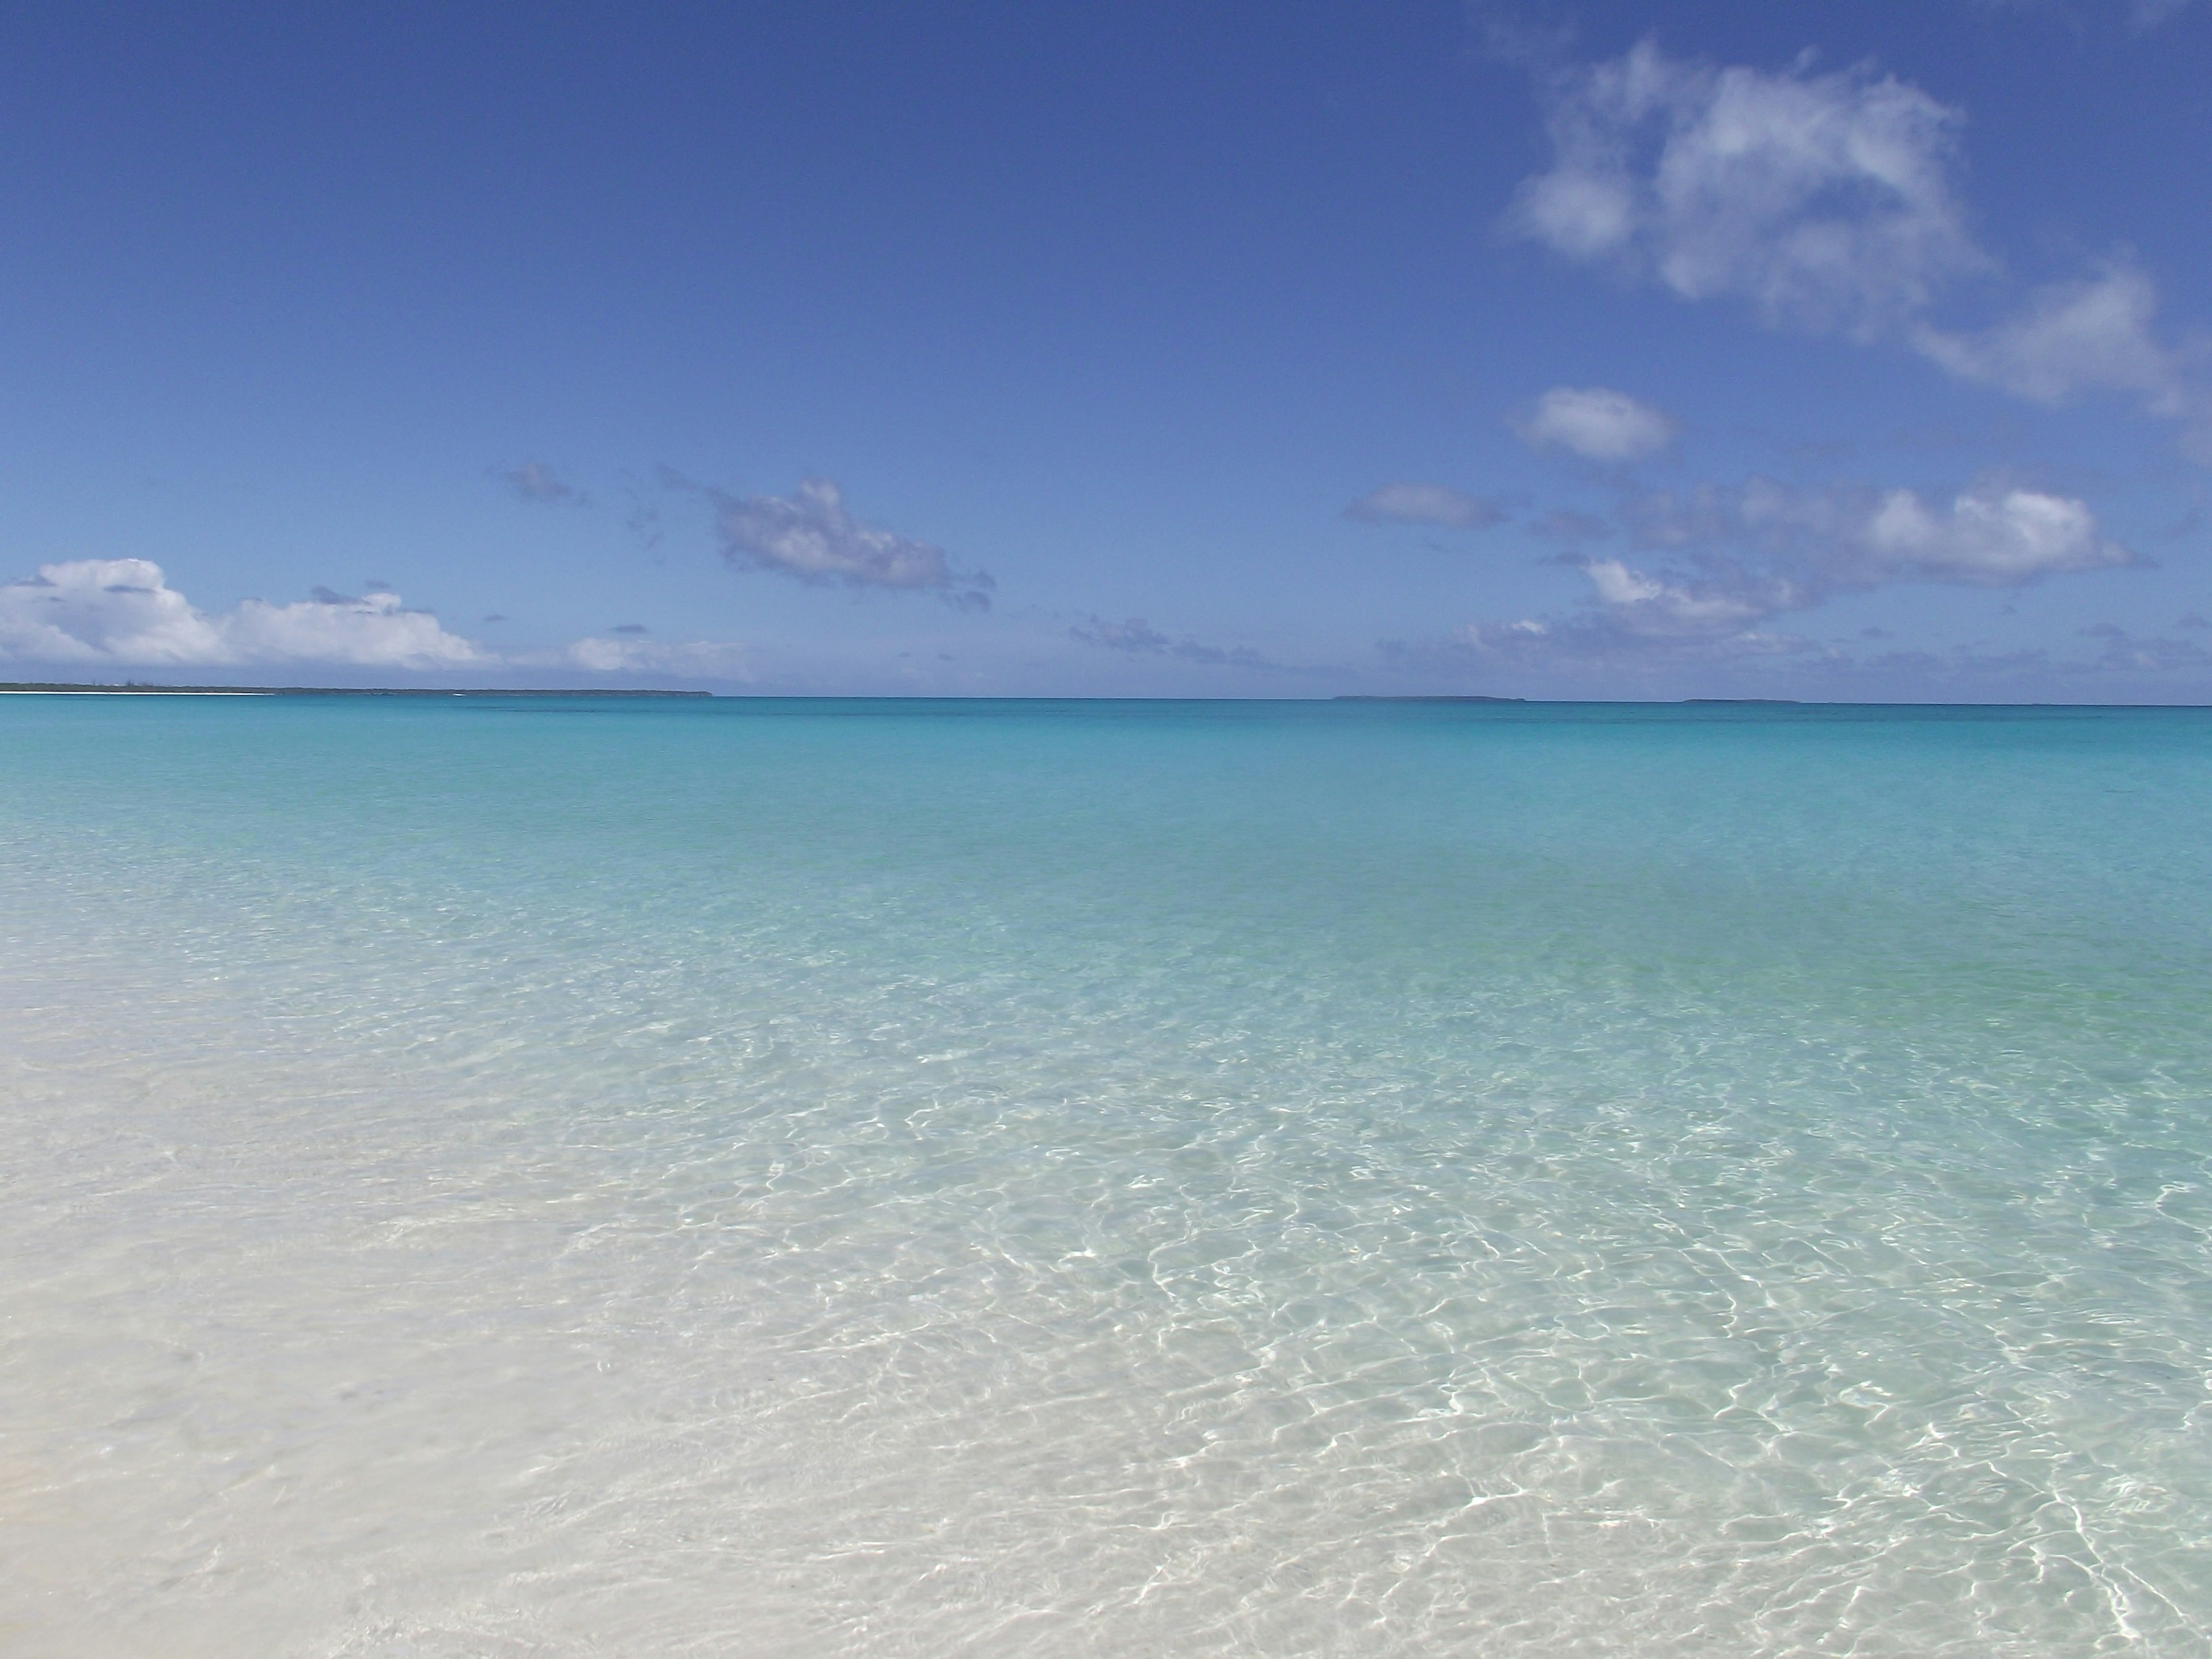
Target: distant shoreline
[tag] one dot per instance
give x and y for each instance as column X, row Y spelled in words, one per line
column 31, row 689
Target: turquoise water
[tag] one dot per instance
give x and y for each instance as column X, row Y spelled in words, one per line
column 504, row 1177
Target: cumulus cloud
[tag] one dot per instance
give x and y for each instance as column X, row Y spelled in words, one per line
column 534, row 482
column 811, row 537
column 375, row 629
column 1596, row 423
column 1994, row 538
column 124, row 611
column 1426, row 503
column 1827, row 201
column 1718, row 568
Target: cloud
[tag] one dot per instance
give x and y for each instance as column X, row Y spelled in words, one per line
column 1636, row 603
column 2117, row 665
column 373, row 631
column 2070, row 335
column 707, row 659
column 1596, row 423
column 1569, row 528
column 1726, row 564
column 1138, row 638
column 2094, row 334
column 533, row 482
column 1825, row 201
column 1426, row 503
column 2141, row 15
column 811, row 537
column 124, row 611
column 1995, row 539
column 1828, row 203
column 2123, row 650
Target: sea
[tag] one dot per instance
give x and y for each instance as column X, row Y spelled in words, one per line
column 537, row 1175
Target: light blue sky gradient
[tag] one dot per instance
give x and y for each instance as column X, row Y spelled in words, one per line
column 1094, row 325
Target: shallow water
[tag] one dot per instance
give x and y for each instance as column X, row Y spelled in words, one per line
column 498, row 1177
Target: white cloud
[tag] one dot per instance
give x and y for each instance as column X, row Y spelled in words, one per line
column 1597, row 424
column 1819, row 543
column 1827, row 201
column 707, row 659
column 374, row 629
column 2070, row 336
column 105, row 610
column 1731, row 562
column 2091, row 335
column 811, row 537
column 1425, row 503
column 1643, row 604
column 124, row 611
column 1997, row 539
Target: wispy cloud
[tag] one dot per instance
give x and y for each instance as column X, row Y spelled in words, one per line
column 2111, row 663
column 2141, row 15
column 535, row 482
column 2149, row 14
column 1565, row 527
column 1136, row 637
column 1427, row 503
column 1596, row 423
column 2095, row 334
column 811, row 537
column 1825, row 201
column 2122, row 650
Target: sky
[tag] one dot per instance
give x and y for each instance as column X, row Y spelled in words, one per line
column 1855, row 351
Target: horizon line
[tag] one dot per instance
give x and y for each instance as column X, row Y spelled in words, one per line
column 56, row 688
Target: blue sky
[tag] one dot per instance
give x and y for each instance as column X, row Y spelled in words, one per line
column 1824, row 350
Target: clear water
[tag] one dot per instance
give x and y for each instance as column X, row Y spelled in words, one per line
column 522, row 1178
